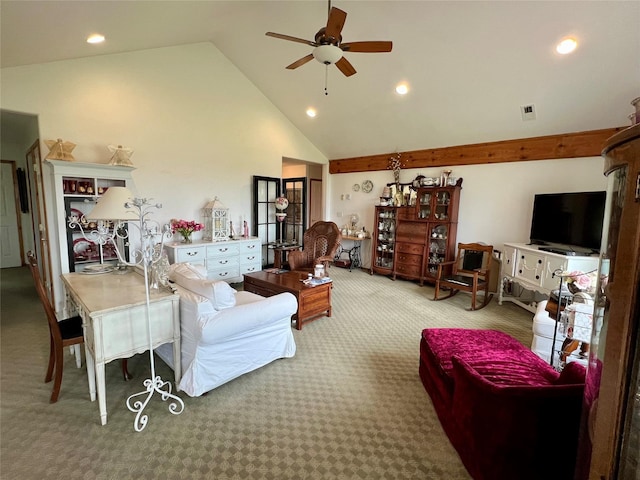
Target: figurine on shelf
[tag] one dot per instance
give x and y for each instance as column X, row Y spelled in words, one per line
column 59, row 150
column 121, row 155
column 444, row 178
column 245, row 229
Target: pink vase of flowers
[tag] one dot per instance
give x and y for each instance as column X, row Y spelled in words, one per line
column 185, row 228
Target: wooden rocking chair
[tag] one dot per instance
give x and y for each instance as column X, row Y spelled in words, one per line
column 470, row 272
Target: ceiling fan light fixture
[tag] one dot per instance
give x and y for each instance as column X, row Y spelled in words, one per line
column 327, row 54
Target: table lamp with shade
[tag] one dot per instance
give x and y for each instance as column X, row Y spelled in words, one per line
column 118, row 205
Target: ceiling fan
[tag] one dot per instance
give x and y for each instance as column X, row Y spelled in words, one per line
column 328, row 44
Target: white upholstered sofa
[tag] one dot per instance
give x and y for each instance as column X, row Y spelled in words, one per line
column 226, row 333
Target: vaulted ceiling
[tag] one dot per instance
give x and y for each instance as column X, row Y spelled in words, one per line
column 470, row 66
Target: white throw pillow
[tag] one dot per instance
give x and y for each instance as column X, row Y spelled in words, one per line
column 187, row 270
column 220, row 293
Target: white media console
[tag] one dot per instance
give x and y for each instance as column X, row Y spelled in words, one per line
column 533, row 268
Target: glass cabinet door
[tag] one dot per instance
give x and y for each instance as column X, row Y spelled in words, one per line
column 385, row 240
column 609, row 446
column 443, row 200
column 424, row 205
column 438, row 247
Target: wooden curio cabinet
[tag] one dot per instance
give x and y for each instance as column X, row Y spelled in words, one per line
column 610, row 435
column 426, row 233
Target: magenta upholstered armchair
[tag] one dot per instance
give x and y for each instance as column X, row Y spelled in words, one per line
column 507, row 412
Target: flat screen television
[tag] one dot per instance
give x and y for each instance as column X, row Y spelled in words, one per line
column 569, row 220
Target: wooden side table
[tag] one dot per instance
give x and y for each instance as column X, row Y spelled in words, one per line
column 280, row 254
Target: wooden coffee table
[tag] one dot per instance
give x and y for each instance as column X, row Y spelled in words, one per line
column 313, row 302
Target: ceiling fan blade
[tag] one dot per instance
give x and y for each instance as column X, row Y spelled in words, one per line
column 345, row 67
column 335, row 23
column 300, row 62
column 367, row 47
column 292, row 39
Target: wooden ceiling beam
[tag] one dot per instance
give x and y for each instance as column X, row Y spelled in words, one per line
column 568, row 145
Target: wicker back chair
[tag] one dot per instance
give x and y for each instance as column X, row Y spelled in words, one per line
column 320, row 244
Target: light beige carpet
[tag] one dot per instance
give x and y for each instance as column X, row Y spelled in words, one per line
column 349, row 405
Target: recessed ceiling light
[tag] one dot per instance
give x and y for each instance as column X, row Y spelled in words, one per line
column 567, row 45
column 311, row 112
column 95, row 38
column 402, row 89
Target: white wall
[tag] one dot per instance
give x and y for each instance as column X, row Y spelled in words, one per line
column 197, row 126
column 294, row 171
column 496, row 201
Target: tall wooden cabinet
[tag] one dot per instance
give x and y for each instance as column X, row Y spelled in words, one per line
column 426, row 235
column 610, row 442
column 410, row 241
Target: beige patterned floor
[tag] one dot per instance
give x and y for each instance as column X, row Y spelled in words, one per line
column 349, row 405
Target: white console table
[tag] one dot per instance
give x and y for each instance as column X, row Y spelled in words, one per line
column 533, row 269
column 224, row 260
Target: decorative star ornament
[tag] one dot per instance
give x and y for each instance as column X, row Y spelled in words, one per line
column 59, row 150
column 121, row 155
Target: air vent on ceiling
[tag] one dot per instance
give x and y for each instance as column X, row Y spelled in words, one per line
column 528, row 112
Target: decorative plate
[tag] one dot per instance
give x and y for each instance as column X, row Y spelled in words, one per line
column 98, row 269
column 367, row 186
column 82, row 248
column 356, row 187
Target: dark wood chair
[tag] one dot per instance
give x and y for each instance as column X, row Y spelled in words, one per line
column 469, row 272
column 320, row 243
column 63, row 333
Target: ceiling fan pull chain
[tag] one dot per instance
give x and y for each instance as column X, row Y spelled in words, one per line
column 326, row 79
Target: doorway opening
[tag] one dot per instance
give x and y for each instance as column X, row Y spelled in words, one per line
column 278, row 228
column 282, row 230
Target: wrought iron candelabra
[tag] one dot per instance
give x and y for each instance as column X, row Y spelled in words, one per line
column 136, row 211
